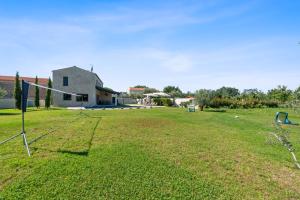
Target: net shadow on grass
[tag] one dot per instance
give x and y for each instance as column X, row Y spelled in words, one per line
column 50, row 131
column 85, row 152
column 71, row 152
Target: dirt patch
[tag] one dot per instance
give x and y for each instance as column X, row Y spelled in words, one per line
column 287, row 178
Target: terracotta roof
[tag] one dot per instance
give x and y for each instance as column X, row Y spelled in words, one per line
column 42, row 81
column 137, row 89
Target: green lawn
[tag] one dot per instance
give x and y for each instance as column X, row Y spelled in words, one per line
column 164, row 153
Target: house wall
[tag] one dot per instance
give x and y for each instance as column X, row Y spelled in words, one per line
column 80, row 82
column 126, row 100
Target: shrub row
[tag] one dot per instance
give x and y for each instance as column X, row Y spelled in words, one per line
column 235, row 103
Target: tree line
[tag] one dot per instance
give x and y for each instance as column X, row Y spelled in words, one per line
column 173, row 91
column 249, row 98
column 231, row 97
column 223, row 97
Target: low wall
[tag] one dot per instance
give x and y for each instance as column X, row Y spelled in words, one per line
column 10, row 103
column 126, row 100
column 7, row 103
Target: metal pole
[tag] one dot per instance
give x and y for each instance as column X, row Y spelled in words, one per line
column 24, row 135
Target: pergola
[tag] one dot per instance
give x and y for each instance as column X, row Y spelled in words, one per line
column 157, row 94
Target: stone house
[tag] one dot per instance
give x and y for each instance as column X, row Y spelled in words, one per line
column 82, row 82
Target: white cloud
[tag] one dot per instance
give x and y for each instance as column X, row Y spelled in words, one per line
column 129, row 19
column 176, row 62
column 36, row 47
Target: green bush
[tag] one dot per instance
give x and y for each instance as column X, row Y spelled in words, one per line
column 166, row 102
column 163, row 101
column 271, row 104
column 157, row 101
column 185, row 104
column 242, row 103
column 220, row 102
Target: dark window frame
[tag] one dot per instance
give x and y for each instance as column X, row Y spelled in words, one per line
column 67, row 97
column 82, row 98
column 65, row 81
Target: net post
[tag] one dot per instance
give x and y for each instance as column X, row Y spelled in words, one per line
column 24, row 105
column 24, row 135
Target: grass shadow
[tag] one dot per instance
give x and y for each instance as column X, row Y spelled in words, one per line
column 10, row 113
column 65, row 151
column 86, row 152
column 215, row 110
column 78, row 153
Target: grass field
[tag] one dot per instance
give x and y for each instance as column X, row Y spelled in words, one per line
column 164, row 153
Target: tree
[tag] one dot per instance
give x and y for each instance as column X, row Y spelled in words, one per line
column 253, row 94
column 48, row 95
column 173, row 91
column 203, row 97
column 297, row 93
column 2, row 92
column 146, row 90
column 150, row 90
column 140, row 86
column 281, row 93
column 227, row 92
column 37, row 94
column 18, row 91
column 188, row 94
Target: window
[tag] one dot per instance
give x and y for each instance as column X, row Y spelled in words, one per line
column 65, row 81
column 67, row 97
column 82, row 97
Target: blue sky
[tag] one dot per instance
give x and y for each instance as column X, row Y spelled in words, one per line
column 190, row 44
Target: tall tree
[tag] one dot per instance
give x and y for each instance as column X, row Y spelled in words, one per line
column 297, row 93
column 48, row 95
column 2, row 92
column 18, row 91
column 253, row 94
column 281, row 93
column 173, row 91
column 37, row 93
column 140, row 86
column 227, row 92
column 203, row 97
column 150, row 90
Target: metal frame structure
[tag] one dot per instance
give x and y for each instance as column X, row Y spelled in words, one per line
column 24, row 97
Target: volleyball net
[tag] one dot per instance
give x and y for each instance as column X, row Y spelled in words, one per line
column 24, row 102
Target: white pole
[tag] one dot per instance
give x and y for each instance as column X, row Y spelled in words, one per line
column 23, row 133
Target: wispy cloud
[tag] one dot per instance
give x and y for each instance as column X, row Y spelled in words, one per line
column 127, row 19
column 131, row 44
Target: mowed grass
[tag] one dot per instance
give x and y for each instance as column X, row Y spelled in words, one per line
column 164, row 153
